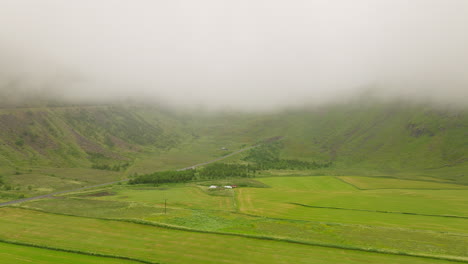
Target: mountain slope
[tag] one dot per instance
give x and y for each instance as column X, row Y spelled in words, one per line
column 384, row 138
column 79, row 136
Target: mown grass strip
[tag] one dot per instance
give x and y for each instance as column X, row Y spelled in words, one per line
column 94, row 254
column 378, row 211
column 269, row 238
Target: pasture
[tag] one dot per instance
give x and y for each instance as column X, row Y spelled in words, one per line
column 315, row 209
column 176, row 196
column 330, row 193
column 371, row 183
column 18, row 254
column 156, row 244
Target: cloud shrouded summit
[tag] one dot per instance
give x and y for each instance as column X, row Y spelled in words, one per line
column 243, row 54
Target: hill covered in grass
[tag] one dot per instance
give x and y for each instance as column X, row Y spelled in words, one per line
column 361, row 138
column 80, row 136
column 388, row 138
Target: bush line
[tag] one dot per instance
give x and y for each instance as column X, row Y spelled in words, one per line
column 318, row 244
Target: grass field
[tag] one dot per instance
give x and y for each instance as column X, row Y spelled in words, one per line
column 192, row 197
column 168, row 245
column 390, row 217
column 42, row 181
column 369, row 183
column 331, row 192
column 316, row 209
column 10, row 253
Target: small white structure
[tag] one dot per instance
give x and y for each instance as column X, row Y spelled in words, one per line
column 213, row 187
column 228, row 187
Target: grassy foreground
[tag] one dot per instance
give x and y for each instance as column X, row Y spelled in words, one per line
column 168, row 245
column 18, row 254
column 409, row 219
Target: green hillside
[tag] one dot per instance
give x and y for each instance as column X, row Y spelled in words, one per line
column 386, row 139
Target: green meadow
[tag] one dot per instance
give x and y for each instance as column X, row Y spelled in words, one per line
column 301, row 198
column 165, row 245
column 305, row 210
column 20, row 254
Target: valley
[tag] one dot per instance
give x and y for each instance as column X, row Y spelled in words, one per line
column 373, row 189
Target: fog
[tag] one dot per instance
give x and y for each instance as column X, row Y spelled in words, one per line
column 243, row 54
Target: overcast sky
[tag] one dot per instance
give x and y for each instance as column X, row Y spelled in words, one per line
column 241, row 53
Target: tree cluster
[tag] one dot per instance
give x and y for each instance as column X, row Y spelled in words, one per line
column 212, row 171
column 164, row 177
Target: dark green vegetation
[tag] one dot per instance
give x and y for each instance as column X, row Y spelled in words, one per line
column 351, row 183
column 211, row 171
column 223, row 170
column 164, row 177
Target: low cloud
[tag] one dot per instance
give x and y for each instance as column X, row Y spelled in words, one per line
column 246, row 54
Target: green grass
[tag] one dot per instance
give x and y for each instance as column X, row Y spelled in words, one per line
column 44, row 181
column 40, row 183
column 96, row 208
column 88, row 176
column 10, row 253
column 389, row 183
column 189, row 152
column 196, row 208
column 169, row 245
column 193, row 197
column 307, row 184
column 277, row 202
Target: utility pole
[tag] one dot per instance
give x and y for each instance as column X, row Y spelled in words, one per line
column 165, row 206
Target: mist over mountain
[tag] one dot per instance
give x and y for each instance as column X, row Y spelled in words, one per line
column 252, row 55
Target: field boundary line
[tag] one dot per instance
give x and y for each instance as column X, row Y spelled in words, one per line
column 74, row 251
column 343, row 181
column 378, row 211
column 244, row 214
column 403, row 179
column 266, row 238
column 350, row 224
